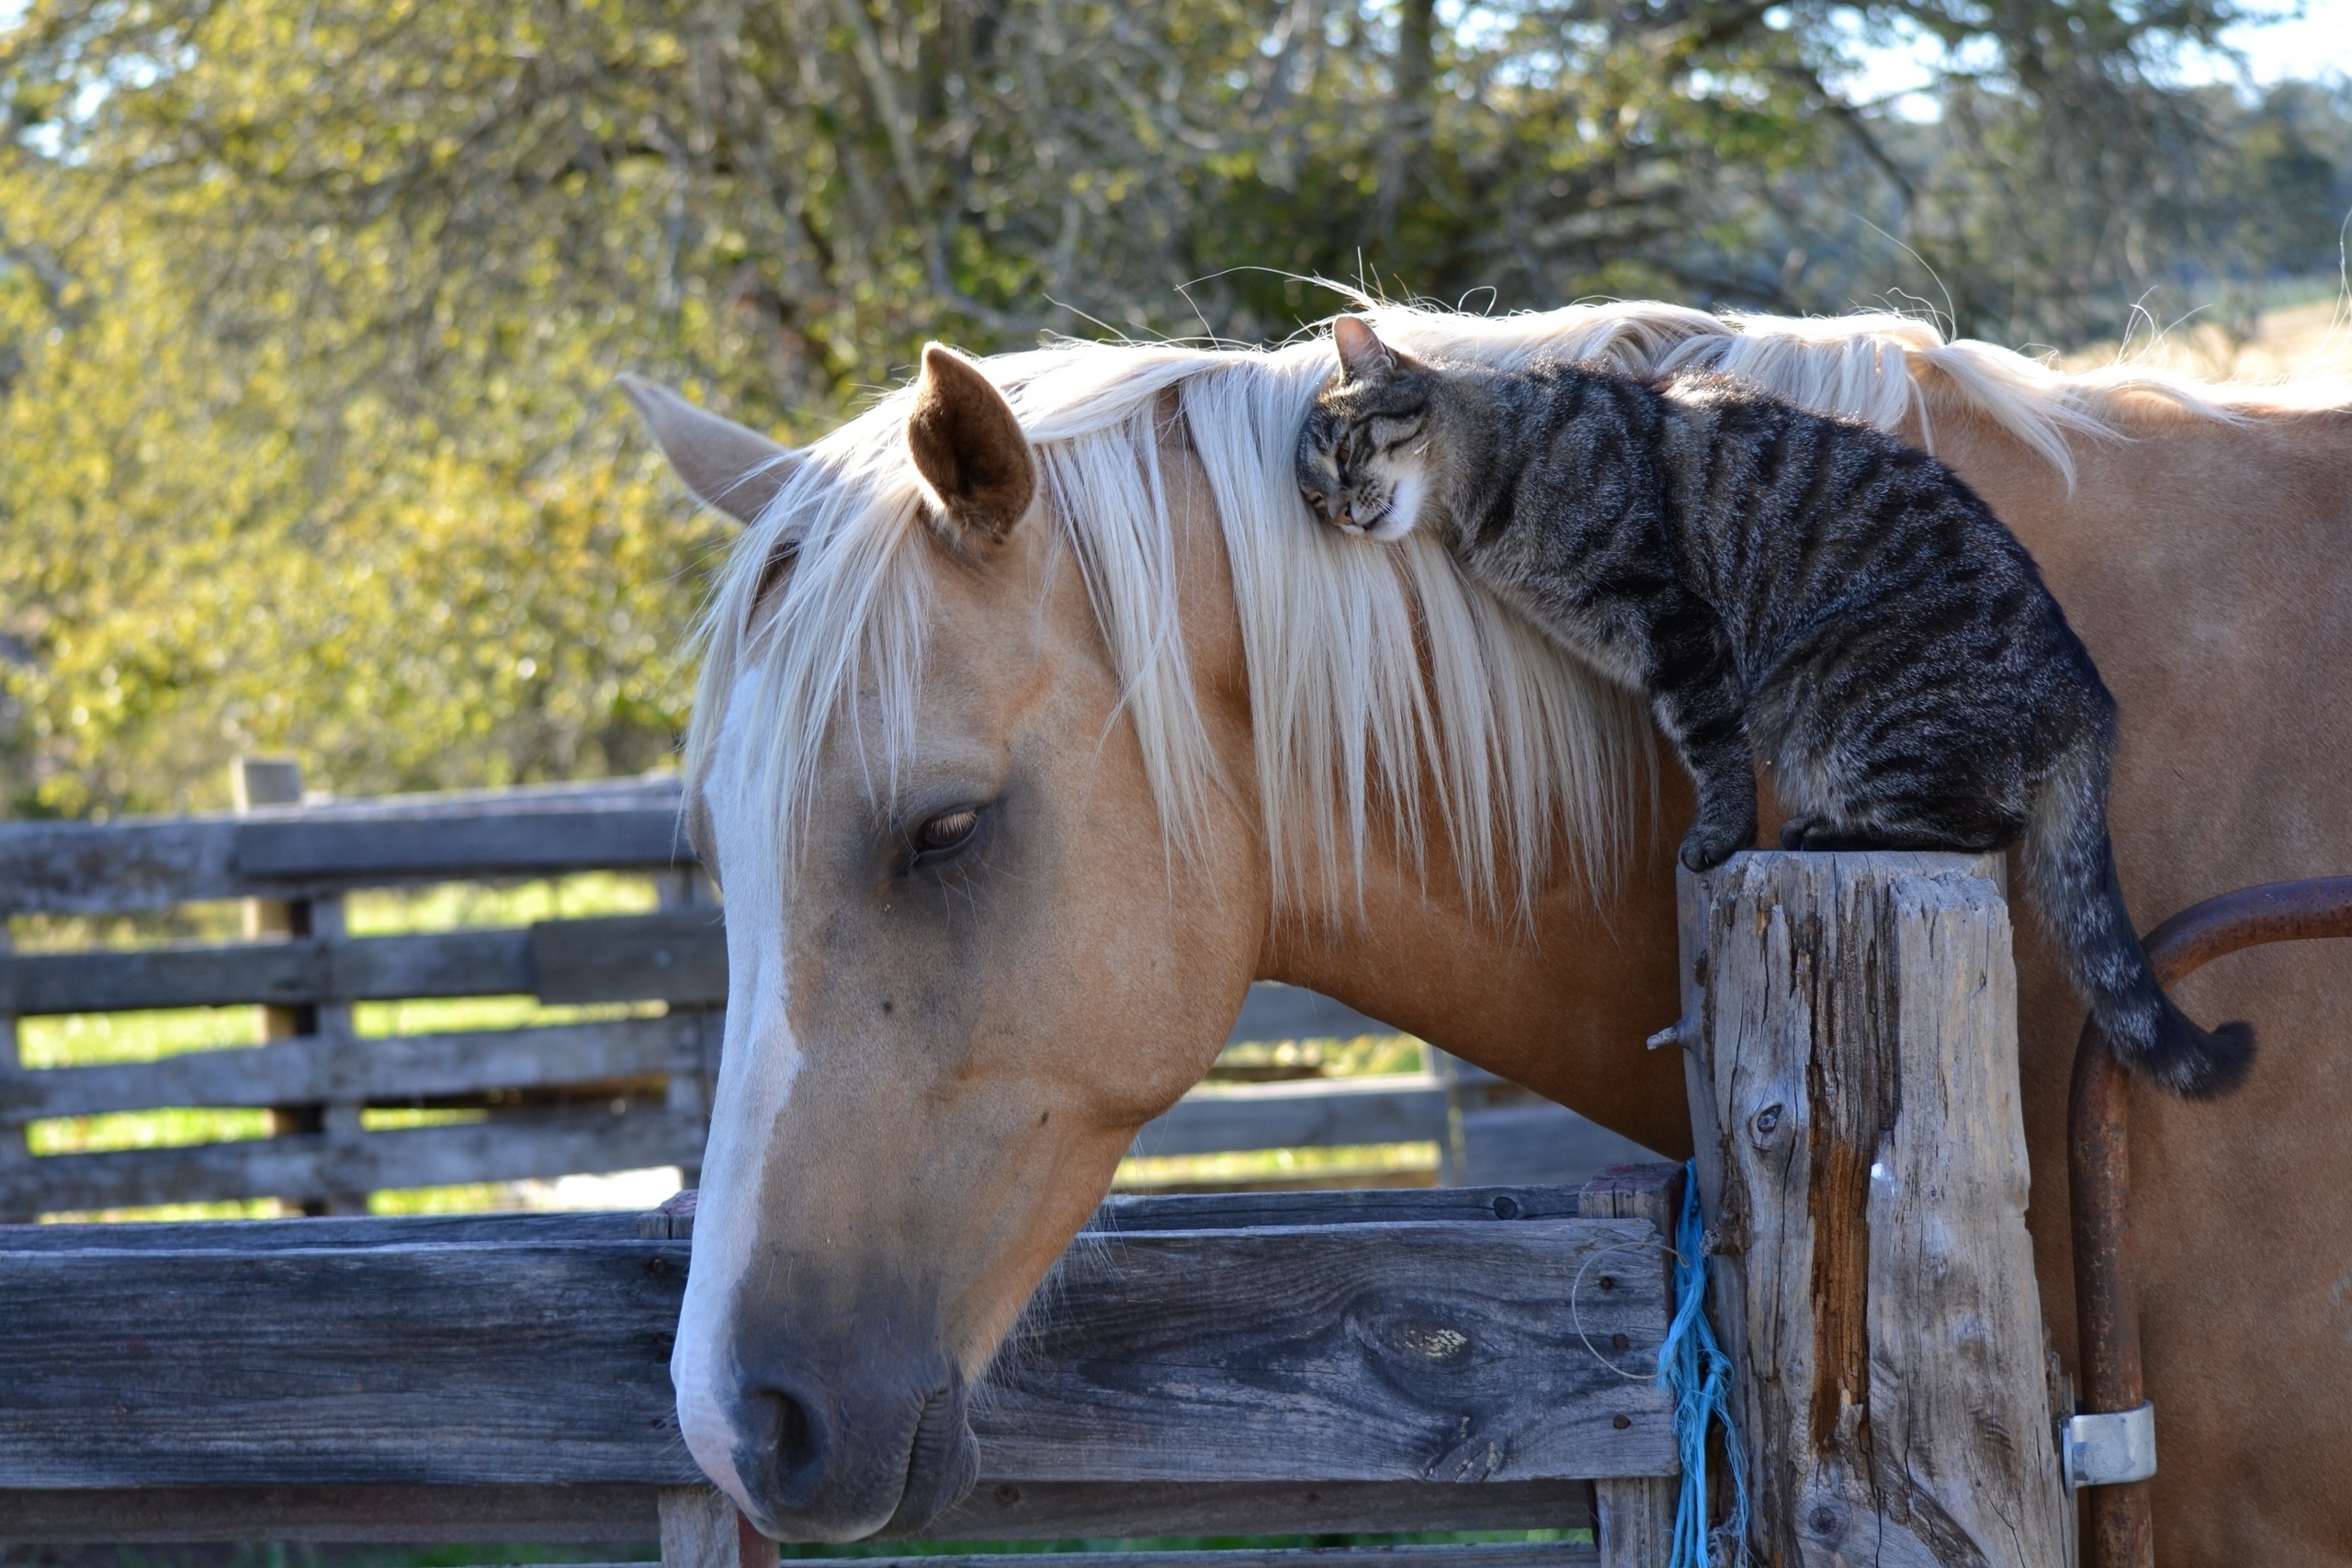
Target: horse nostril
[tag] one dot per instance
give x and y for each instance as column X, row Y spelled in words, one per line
column 797, row 1440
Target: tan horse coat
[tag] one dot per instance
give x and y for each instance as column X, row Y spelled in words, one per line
column 2208, row 563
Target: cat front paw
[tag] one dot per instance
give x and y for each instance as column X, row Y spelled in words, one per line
column 1708, row 845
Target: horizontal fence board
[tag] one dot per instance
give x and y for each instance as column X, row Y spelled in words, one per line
column 1047, row 1510
column 678, row 955
column 389, row 1069
column 1495, row 1554
column 283, row 973
column 1371, row 1205
column 1309, row 1112
column 1429, row 1352
column 354, row 1231
column 557, row 1143
column 1122, row 1213
column 619, row 1512
column 1343, row 1353
column 150, row 863
column 310, row 849
column 608, row 1514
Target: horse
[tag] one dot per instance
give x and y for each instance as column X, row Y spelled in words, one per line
column 1031, row 704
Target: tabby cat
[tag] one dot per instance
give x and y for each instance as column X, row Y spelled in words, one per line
column 1784, row 584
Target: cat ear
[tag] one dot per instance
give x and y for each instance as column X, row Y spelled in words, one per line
column 969, row 448
column 1362, row 356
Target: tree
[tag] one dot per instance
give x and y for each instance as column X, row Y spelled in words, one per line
column 307, row 314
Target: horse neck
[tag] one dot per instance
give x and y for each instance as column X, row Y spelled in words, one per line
column 1562, row 1003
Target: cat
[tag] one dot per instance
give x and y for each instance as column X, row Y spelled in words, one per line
column 1784, row 583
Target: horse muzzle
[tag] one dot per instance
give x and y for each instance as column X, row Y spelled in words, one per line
column 836, row 1456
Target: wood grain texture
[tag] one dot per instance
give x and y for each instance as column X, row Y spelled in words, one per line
column 1862, row 1163
column 1532, row 1554
column 1338, row 1353
column 625, row 1512
column 1047, row 1510
column 1131, row 1211
column 701, row 1528
column 394, row 1069
column 178, row 1515
column 674, row 1221
column 1401, row 1352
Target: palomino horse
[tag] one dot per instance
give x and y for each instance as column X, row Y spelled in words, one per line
column 1035, row 706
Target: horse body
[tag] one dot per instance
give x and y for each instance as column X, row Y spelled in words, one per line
column 970, row 1048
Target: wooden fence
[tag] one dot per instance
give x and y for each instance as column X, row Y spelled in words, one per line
column 615, row 1093
column 1412, row 1360
column 1433, row 1359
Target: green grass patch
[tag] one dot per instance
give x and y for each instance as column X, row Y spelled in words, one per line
column 116, row 1130
column 102, row 1039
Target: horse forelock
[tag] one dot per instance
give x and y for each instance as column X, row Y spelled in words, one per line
column 1389, row 694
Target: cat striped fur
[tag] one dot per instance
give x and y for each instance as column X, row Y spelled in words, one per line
column 1784, row 584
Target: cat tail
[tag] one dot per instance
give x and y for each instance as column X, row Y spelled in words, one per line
column 2070, row 862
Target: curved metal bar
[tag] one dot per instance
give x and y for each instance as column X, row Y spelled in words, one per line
column 2119, row 1530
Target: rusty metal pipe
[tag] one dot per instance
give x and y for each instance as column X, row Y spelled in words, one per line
column 2119, row 1529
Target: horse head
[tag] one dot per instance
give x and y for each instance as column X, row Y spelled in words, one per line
column 951, row 920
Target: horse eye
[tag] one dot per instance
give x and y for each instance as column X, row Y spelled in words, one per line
column 948, row 831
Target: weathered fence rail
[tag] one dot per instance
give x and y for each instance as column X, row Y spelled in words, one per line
column 1431, row 1359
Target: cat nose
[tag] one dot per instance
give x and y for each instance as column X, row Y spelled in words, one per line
column 1347, row 517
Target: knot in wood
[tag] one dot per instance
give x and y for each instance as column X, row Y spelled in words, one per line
column 1766, row 1122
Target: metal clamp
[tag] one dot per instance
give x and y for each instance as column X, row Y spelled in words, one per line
column 2107, row 1449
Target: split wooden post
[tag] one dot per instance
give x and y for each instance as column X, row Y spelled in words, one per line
column 273, row 780
column 1851, row 1027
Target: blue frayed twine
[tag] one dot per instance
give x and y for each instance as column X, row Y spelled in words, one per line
column 1696, row 1375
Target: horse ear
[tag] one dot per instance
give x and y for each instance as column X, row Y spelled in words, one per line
column 969, row 448
column 1362, row 356
column 736, row 470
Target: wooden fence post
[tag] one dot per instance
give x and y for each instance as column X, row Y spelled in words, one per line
column 1851, row 1025
column 1633, row 1517
column 272, row 781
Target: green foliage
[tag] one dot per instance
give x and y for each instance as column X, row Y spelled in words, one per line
column 308, row 315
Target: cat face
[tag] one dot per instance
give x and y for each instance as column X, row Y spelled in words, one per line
column 1362, row 458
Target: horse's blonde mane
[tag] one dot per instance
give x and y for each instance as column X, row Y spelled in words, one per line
column 1371, row 670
